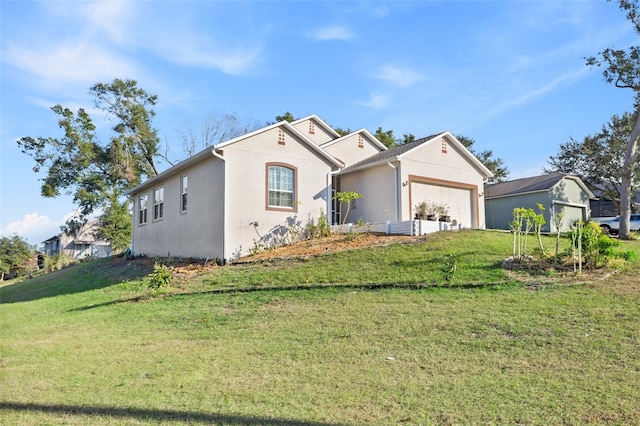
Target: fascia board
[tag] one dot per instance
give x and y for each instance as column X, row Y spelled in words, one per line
column 319, row 121
column 370, row 165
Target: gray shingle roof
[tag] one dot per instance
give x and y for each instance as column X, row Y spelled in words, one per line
column 391, row 152
column 519, row 186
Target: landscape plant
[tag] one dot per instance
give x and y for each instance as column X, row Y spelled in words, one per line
column 558, row 220
column 592, row 247
column 346, row 197
column 161, row 277
column 521, row 225
column 538, row 223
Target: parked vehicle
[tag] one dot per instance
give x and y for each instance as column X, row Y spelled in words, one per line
column 611, row 225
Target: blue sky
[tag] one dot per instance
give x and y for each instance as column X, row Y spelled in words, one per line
column 509, row 74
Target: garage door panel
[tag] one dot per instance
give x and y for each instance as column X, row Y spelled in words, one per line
column 571, row 214
column 459, row 200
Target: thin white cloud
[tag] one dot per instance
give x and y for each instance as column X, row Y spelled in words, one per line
column 63, row 64
column 398, row 76
column 233, row 61
column 534, row 93
column 332, row 33
column 115, row 18
column 103, row 40
column 375, row 102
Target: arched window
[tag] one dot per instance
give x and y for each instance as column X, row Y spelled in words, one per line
column 281, row 187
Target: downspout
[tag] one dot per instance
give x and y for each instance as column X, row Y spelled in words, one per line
column 133, row 227
column 395, row 188
column 224, row 205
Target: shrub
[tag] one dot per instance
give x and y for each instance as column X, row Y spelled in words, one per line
column 57, row 262
column 161, row 277
column 450, row 265
column 596, row 247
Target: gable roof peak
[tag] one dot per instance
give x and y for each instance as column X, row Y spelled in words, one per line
column 318, row 121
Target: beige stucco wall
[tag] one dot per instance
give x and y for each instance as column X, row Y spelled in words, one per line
column 348, row 151
column 376, row 185
column 451, row 168
column 426, row 163
column 249, row 221
column 319, row 136
column 198, row 232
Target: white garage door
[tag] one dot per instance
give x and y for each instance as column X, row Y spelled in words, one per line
column 571, row 214
column 458, row 200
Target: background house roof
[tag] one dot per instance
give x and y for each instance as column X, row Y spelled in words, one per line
column 530, row 184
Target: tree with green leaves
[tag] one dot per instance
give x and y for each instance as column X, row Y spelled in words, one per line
column 596, row 160
column 386, row 138
column 98, row 173
column 287, row 116
column 389, row 140
column 14, row 252
column 494, row 164
column 346, row 197
column 622, row 68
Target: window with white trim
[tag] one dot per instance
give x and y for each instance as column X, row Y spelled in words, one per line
column 281, row 186
column 183, row 193
column 158, row 203
column 142, row 209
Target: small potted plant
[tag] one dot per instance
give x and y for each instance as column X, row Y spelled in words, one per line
column 443, row 213
column 426, row 210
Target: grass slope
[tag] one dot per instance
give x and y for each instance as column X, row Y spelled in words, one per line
column 325, row 341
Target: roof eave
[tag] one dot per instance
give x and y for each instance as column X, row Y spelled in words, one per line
column 370, row 165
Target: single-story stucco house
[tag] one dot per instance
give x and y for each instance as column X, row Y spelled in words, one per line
column 225, row 200
column 556, row 192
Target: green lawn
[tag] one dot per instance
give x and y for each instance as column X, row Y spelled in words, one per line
column 373, row 336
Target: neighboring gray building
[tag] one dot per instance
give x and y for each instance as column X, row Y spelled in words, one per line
column 557, row 192
column 80, row 245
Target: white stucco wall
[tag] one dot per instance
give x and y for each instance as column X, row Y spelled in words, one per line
column 198, row 232
column 249, row 221
column 376, row 185
column 428, row 164
column 451, row 169
column 348, row 150
column 318, row 134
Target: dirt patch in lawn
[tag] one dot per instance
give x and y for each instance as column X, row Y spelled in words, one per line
column 332, row 244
